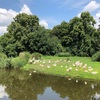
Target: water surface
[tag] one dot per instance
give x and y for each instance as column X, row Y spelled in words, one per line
column 20, row 85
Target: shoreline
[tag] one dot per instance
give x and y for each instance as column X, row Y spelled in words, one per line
column 63, row 68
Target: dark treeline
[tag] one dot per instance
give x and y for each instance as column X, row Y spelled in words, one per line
column 78, row 37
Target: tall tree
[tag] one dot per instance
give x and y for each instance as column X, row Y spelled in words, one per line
column 77, row 34
column 88, row 24
column 17, row 37
column 61, row 31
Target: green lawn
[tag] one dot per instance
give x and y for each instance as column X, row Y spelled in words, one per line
column 67, row 67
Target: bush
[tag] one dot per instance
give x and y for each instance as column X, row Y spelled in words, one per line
column 24, row 55
column 96, row 56
column 1, row 48
column 3, row 56
column 36, row 55
column 82, row 54
column 18, row 62
column 92, row 51
column 5, row 63
column 64, row 54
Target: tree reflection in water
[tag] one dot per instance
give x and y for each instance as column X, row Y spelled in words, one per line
column 19, row 85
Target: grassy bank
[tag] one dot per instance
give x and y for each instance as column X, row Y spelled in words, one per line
column 78, row 67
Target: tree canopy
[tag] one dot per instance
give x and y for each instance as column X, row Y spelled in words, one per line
column 78, row 36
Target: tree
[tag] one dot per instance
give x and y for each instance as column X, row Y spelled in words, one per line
column 77, row 34
column 25, row 34
column 41, row 41
column 30, row 22
column 61, row 32
column 88, row 24
column 78, row 37
column 16, row 39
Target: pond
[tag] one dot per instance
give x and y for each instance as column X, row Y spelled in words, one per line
column 20, row 85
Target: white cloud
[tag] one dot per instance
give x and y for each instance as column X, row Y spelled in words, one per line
column 92, row 6
column 52, row 21
column 3, row 29
column 6, row 17
column 43, row 23
column 79, row 15
column 96, row 17
column 26, row 10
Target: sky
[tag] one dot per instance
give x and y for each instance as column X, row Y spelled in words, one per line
column 49, row 12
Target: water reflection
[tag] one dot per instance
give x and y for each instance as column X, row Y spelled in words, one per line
column 96, row 97
column 49, row 94
column 19, row 85
column 3, row 94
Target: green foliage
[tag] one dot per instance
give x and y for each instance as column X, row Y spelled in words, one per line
column 36, row 55
column 64, row 54
column 17, row 38
column 38, row 41
column 5, row 63
column 96, row 56
column 10, row 50
column 41, row 41
column 92, row 51
column 18, row 62
column 1, row 48
column 21, row 60
column 70, row 62
column 61, row 31
column 54, row 46
column 24, row 55
column 30, row 22
column 78, row 36
column 82, row 54
column 3, row 56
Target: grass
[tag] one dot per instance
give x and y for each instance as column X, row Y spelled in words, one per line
column 65, row 66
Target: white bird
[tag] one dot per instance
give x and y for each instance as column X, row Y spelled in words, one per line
column 68, row 70
column 85, row 70
column 34, row 71
column 76, row 81
column 94, row 72
column 69, row 78
column 54, row 64
column 61, row 66
column 85, row 82
column 49, row 61
column 30, row 74
column 76, row 69
column 48, row 66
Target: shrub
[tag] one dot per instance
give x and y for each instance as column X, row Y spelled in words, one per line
column 36, row 55
column 3, row 56
column 5, row 63
column 18, row 62
column 96, row 56
column 64, row 54
column 82, row 54
column 92, row 51
column 1, row 48
column 24, row 55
